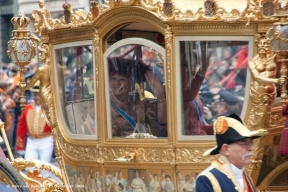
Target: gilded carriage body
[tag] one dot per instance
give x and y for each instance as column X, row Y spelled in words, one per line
column 180, row 58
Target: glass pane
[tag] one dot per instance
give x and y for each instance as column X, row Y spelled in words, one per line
column 76, row 82
column 213, row 82
column 136, row 92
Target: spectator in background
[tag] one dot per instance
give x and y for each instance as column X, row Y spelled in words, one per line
column 2, row 154
column 15, row 95
column 5, row 67
column 3, row 76
column 28, row 92
column 222, row 68
column 7, row 106
column 227, row 103
column 32, row 67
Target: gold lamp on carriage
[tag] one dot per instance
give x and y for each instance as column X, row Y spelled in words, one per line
column 278, row 35
column 21, row 49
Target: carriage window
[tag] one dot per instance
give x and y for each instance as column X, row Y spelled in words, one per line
column 136, row 92
column 213, row 81
column 76, row 82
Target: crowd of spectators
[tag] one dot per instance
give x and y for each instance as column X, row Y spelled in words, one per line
column 223, row 90
column 10, row 110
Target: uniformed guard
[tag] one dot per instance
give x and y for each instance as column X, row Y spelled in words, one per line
column 235, row 146
column 32, row 122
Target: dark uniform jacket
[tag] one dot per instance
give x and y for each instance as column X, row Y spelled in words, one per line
column 219, row 177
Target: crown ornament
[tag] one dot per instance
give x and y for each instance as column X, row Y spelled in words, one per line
column 20, row 22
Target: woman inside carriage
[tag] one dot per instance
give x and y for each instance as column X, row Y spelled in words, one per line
column 133, row 109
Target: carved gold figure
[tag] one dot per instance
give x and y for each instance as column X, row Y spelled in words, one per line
column 41, row 16
column 43, row 76
column 263, row 90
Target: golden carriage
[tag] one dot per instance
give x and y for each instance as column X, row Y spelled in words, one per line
column 78, row 51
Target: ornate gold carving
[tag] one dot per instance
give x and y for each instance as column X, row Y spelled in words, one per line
column 282, row 59
column 96, row 43
column 271, row 9
column 143, row 154
column 94, row 9
column 254, row 167
column 75, row 34
column 263, row 28
column 40, row 18
column 127, row 12
column 276, row 119
column 101, row 154
column 193, row 155
column 32, row 178
column 263, row 90
column 20, row 164
column 44, row 38
column 172, row 151
column 128, row 157
column 74, row 151
column 168, row 47
column 79, row 18
column 59, row 156
column 43, row 76
column 252, row 11
column 220, row 28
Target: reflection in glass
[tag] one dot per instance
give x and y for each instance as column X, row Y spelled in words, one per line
column 137, row 94
column 76, row 80
column 213, row 82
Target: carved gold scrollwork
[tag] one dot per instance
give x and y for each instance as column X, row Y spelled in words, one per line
column 33, row 177
column 99, row 158
column 253, row 168
column 128, row 157
column 260, row 108
column 80, row 18
column 168, row 46
column 96, row 43
column 195, row 155
column 151, row 155
column 172, row 151
column 276, row 119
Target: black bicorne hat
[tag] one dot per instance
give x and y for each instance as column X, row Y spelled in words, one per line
column 231, row 129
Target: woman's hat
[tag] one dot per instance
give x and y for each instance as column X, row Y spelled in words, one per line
column 128, row 67
column 231, row 129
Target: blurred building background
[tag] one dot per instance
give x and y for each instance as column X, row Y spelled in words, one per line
column 7, row 10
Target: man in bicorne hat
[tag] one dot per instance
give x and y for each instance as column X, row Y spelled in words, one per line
column 235, row 146
column 32, row 121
